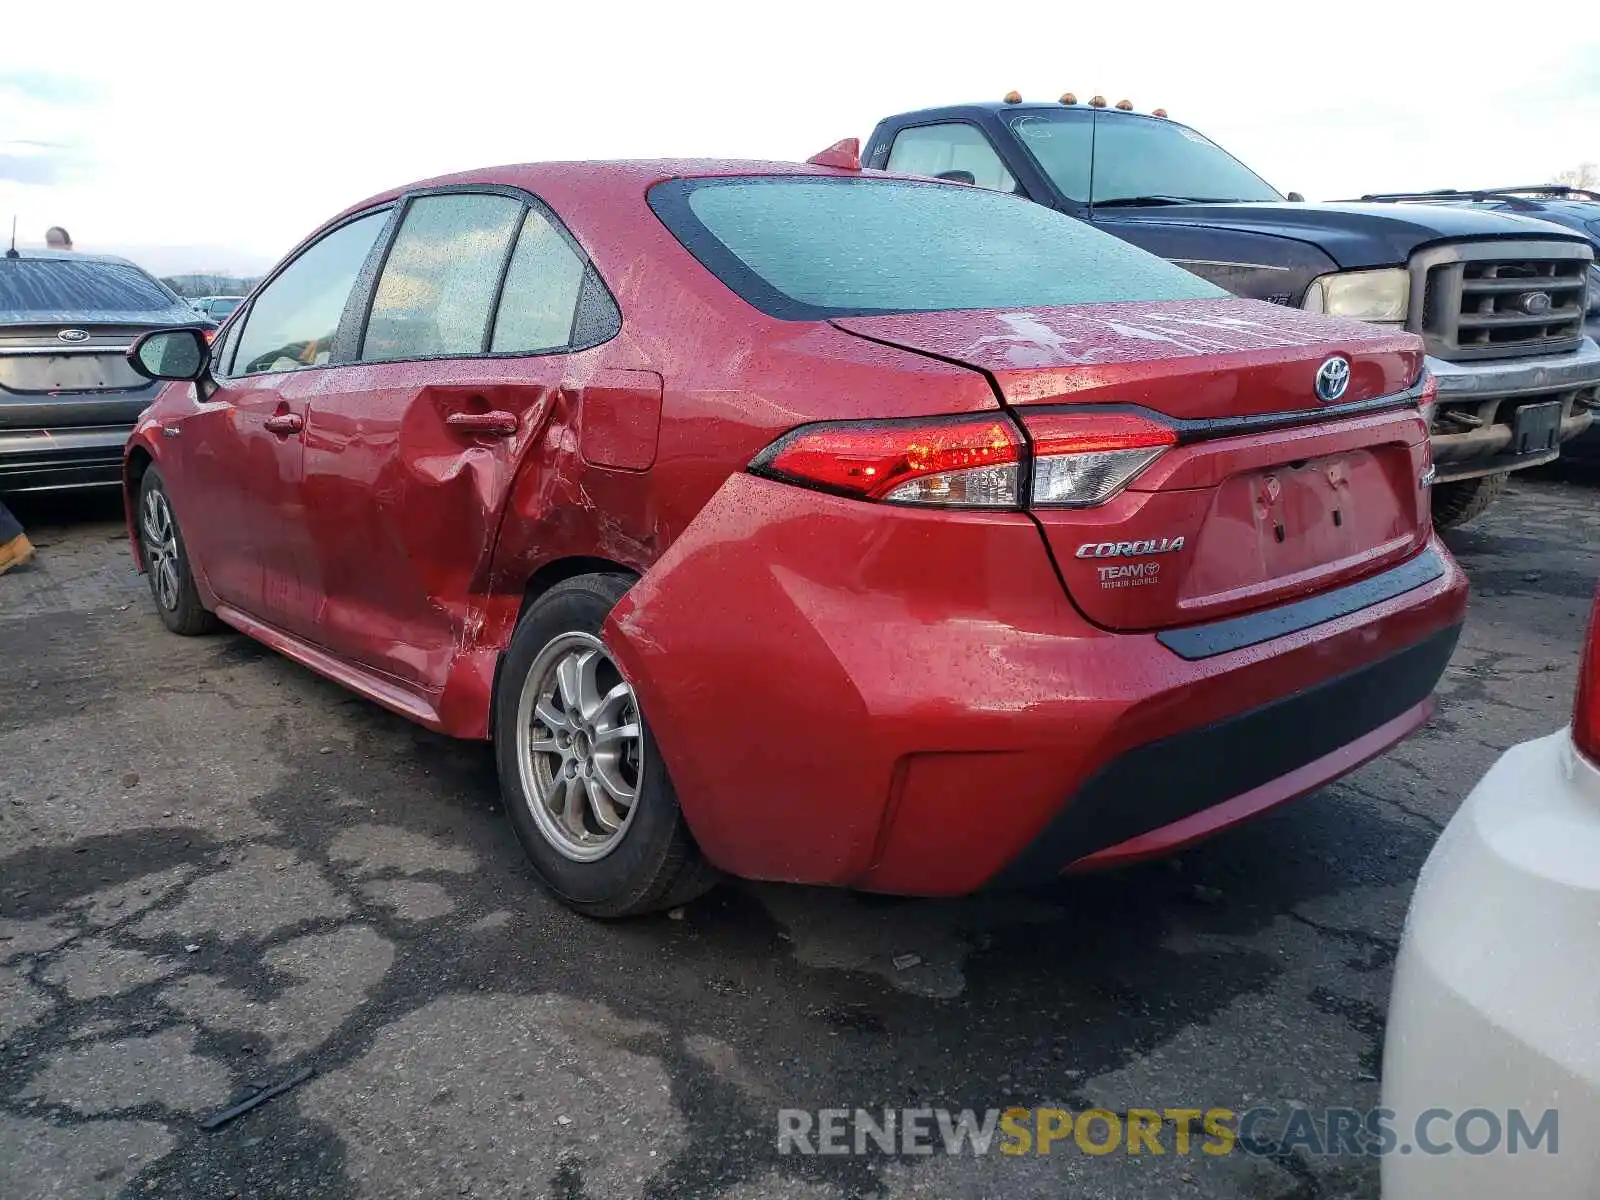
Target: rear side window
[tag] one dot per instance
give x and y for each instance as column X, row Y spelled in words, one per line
column 292, row 322
column 952, row 150
column 540, row 300
column 38, row 286
column 436, row 293
column 809, row 248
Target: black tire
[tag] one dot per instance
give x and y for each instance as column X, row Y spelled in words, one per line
column 653, row 862
column 177, row 599
column 1458, row 502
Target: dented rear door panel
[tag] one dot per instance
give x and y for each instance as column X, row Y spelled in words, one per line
column 405, row 506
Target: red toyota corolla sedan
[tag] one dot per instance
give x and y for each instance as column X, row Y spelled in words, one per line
column 807, row 523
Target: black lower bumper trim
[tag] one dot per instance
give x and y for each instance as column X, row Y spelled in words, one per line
column 1235, row 633
column 1164, row 781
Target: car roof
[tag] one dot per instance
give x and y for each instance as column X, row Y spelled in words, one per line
column 24, row 252
column 995, row 106
column 626, row 174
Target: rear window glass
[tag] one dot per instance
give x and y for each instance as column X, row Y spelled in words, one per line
column 808, row 248
column 53, row 285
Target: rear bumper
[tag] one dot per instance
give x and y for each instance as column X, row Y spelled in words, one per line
column 1487, row 392
column 1150, row 801
column 46, row 459
column 908, row 702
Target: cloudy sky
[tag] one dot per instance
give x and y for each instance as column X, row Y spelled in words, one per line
column 216, row 137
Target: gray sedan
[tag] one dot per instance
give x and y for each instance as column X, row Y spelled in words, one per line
column 68, row 397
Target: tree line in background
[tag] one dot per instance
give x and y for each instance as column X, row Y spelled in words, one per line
column 1584, row 175
column 189, row 286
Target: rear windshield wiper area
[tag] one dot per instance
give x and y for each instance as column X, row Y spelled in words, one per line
column 1139, row 201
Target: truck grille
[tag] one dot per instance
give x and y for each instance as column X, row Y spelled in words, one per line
column 1500, row 299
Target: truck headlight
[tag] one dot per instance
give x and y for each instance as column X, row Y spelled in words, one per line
column 1382, row 297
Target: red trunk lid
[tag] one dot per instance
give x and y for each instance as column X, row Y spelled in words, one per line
column 1188, row 359
column 1219, row 524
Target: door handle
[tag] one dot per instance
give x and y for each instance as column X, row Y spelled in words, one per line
column 493, row 424
column 283, row 424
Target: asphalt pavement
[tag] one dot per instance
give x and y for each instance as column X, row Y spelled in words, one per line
column 219, row 872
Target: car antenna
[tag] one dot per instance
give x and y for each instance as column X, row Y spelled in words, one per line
column 1094, row 129
column 12, row 253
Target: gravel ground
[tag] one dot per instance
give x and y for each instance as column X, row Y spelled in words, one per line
column 217, row 870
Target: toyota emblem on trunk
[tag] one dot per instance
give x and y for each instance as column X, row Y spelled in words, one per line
column 1333, row 376
column 74, row 335
column 1535, row 304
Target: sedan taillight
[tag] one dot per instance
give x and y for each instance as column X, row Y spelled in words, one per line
column 1586, row 707
column 1069, row 459
column 968, row 462
column 1084, row 458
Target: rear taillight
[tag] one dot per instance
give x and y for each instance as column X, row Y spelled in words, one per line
column 1083, row 459
column 1071, row 460
column 1586, row 707
column 962, row 461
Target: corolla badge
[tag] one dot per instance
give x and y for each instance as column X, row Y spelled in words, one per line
column 1333, row 377
column 73, row 335
column 1163, row 545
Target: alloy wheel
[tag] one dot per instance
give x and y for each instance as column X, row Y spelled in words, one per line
column 160, row 534
column 580, row 747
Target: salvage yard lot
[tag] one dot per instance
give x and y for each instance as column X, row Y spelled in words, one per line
column 218, row 869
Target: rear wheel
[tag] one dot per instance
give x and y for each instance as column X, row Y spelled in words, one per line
column 584, row 784
column 1458, row 502
column 166, row 561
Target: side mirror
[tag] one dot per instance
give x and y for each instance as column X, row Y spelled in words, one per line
column 170, row 354
column 1295, row 198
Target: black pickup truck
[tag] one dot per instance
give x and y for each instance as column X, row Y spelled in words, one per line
column 1498, row 298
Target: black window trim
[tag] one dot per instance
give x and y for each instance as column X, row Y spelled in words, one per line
column 367, row 288
column 346, row 347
